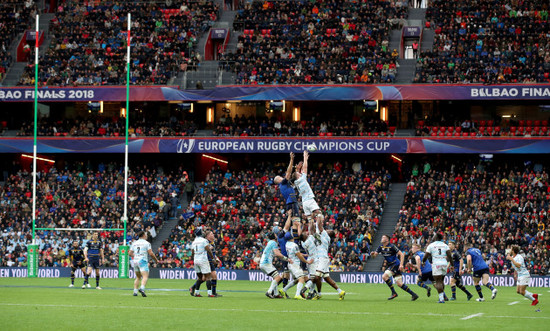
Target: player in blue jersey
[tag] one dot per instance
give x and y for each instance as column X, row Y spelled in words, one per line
column 212, row 282
column 476, row 263
column 394, row 259
column 456, row 276
column 76, row 256
column 266, row 264
column 282, row 247
column 424, row 270
column 287, row 190
column 522, row 274
column 93, row 253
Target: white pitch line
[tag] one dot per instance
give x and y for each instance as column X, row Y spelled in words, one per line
column 471, row 316
column 513, row 303
column 271, row 311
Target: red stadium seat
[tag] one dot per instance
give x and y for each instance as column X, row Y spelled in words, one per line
column 544, row 123
column 528, row 123
column 521, row 123
column 536, row 123
column 490, row 123
column 465, row 134
column 472, row 134
column 458, row 129
column 482, row 123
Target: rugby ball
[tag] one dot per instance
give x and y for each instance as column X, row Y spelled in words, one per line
column 311, row 148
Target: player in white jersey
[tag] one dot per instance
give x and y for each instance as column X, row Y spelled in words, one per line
column 323, row 260
column 441, row 258
column 522, row 274
column 309, row 204
column 294, row 254
column 140, row 252
column 266, row 264
column 201, row 250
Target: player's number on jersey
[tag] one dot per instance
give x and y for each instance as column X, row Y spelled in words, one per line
column 439, row 249
column 138, row 249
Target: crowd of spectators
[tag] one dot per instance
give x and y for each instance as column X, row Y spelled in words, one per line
column 15, row 17
column 90, row 42
column 241, row 207
column 492, row 206
column 109, row 127
column 486, row 128
column 83, row 197
column 488, row 42
column 313, row 42
column 252, row 126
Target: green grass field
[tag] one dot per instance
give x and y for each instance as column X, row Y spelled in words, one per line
column 48, row 304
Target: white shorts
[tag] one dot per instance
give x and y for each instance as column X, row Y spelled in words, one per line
column 312, row 268
column 295, row 270
column 309, row 206
column 141, row 266
column 202, row 267
column 322, row 264
column 524, row 280
column 439, row 269
column 268, row 269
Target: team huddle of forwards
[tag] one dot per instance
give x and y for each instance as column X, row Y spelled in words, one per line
column 445, row 257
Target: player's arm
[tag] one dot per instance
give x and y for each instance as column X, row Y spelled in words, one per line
column 320, row 220
column 102, row 255
column 517, row 264
column 419, row 264
column 375, row 253
column 208, row 249
column 131, row 253
column 192, row 254
column 468, row 262
column 299, row 226
column 151, row 254
column 304, row 165
column 311, row 227
column 401, row 259
column 280, row 255
column 449, row 259
column 290, row 166
column 461, row 266
column 288, row 221
column 86, row 254
column 303, row 259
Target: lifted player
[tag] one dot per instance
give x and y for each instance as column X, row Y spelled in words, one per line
column 140, row 252
column 441, row 258
column 456, row 276
column 522, row 275
column 310, row 206
column 475, row 262
column 93, row 253
column 76, row 255
column 287, row 191
column 394, row 259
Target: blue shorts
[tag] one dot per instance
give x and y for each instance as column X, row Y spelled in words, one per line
column 395, row 270
column 294, row 207
column 456, row 276
column 285, row 266
column 480, row 273
column 93, row 262
column 427, row 276
column 212, row 265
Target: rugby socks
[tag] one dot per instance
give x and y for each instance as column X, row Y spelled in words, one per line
column 339, row 290
column 390, row 285
column 272, row 287
column 288, row 286
column 441, row 296
column 529, row 295
column 408, row 290
column 423, row 285
column 490, row 286
column 135, row 291
column 72, row 277
column 197, row 286
column 453, row 291
column 86, row 277
column 309, row 285
column 299, row 289
column 97, row 281
column 208, row 285
column 478, row 289
column 285, row 281
column 214, row 284
column 445, row 296
column 460, row 286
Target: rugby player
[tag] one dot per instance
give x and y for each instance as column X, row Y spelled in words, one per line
column 309, row 205
column 441, row 258
column 212, row 282
column 475, row 262
column 140, row 252
column 394, row 259
column 323, row 260
column 200, row 251
column 266, row 264
column 93, row 253
column 424, row 269
column 76, row 256
column 287, row 191
column 456, row 276
column 522, row 275
column 294, row 254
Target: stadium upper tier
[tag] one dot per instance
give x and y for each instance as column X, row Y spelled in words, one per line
column 89, row 42
column 487, row 41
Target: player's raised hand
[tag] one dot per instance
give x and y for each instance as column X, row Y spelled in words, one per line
column 290, row 261
column 401, row 268
column 291, row 155
column 310, row 261
column 306, row 154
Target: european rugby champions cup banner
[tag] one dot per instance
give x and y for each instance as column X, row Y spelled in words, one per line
column 256, row 275
column 281, row 92
column 504, row 145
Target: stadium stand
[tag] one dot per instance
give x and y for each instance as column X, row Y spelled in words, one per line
column 296, row 42
column 89, row 42
column 82, row 198
column 486, row 128
column 242, row 206
column 487, row 42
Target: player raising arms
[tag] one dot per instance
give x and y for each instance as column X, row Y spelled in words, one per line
column 474, row 259
column 287, row 191
column 266, row 264
column 200, row 250
column 323, row 260
column 394, row 258
column 441, row 258
column 310, row 206
column 212, row 282
column 76, row 255
column 424, row 269
column 310, row 245
column 294, row 254
column 93, row 253
column 522, row 274
column 140, row 252
column 456, row 277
